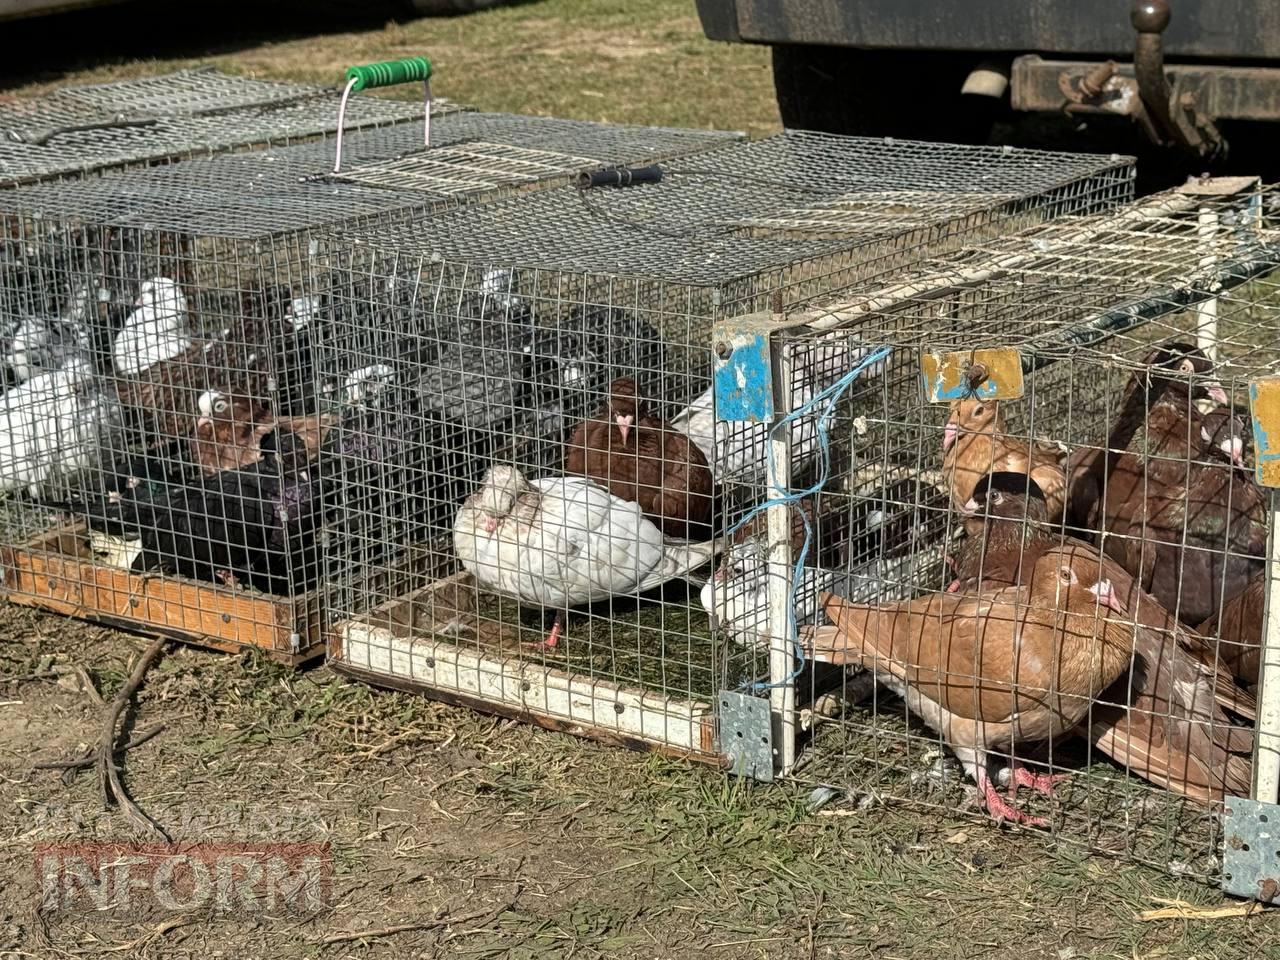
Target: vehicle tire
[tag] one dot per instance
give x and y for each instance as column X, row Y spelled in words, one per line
column 911, row 95
column 446, row 8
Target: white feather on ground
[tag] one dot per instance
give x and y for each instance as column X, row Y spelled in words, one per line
column 156, row 330
column 564, row 541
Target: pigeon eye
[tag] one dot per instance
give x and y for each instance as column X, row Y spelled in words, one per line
column 977, row 411
column 997, row 499
column 220, row 406
column 1065, row 574
column 1186, row 366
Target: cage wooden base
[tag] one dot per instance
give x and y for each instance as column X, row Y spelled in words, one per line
column 388, row 648
column 56, row 571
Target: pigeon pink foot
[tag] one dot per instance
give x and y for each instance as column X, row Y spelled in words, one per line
column 553, row 637
column 1041, row 783
column 1001, row 809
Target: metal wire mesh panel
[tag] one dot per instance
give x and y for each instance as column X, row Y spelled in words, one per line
column 557, row 348
column 1032, row 537
column 78, row 130
column 262, row 193
column 160, row 429
column 187, row 497
column 775, row 213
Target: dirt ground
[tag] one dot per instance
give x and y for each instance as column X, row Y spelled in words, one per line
column 481, row 837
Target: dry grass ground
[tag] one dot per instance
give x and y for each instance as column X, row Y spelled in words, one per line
column 537, row 845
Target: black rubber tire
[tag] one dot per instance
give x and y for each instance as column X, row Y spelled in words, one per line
column 448, row 8
column 911, row 95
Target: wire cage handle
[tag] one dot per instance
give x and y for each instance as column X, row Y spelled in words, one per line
column 386, row 73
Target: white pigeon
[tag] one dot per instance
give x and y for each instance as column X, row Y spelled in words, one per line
column 41, row 344
column 367, row 383
column 737, row 450
column 52, row 425
column 737, row 595
column 564, row 541
column 302, row 312
column 156, row 330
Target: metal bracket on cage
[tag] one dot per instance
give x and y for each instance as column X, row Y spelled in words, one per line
column 1251, row 849
column 743, row 370
column 1264, row 407
column 746, row 735
column 985, row 374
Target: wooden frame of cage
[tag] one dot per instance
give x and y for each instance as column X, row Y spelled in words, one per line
column 55, row 571
column 432, row 664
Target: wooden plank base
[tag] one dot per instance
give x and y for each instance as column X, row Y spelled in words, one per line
column 56, row 571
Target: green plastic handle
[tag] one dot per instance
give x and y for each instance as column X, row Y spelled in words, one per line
column 389, row 72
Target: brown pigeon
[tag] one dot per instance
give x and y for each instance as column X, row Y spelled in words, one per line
column 643, row 459
column 1006, row 530
column 1022, row 664
column 229, row 432
column 1176, row 718
column 1239, row 628
column 231, row 427
column 976, row 443
column 1166, row 370
column 1190, row 530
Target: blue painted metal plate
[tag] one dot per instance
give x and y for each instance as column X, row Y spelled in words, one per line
column 744, row 377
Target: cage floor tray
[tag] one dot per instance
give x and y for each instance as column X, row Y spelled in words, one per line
column 446, row 641
column 57, row 571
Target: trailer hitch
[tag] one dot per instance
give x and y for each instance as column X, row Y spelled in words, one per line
column 1174, row 117
column 1169, row 113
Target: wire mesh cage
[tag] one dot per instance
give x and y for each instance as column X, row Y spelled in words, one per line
column 167, row 320
column 1031, row 533
column 559, row 347
column 196, row 112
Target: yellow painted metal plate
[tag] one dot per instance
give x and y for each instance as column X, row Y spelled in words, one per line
column 987, row 374
column 1264, row 407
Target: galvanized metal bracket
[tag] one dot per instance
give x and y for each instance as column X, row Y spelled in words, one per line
column 985, row 374
column 746, row 735
column 1251, row 849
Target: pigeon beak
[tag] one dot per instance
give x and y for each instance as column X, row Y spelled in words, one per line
column 624, row 425
column 1106, row 595
column 970, row 509
column 948, row 436
column 1234, row 448
column 1217, row 394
